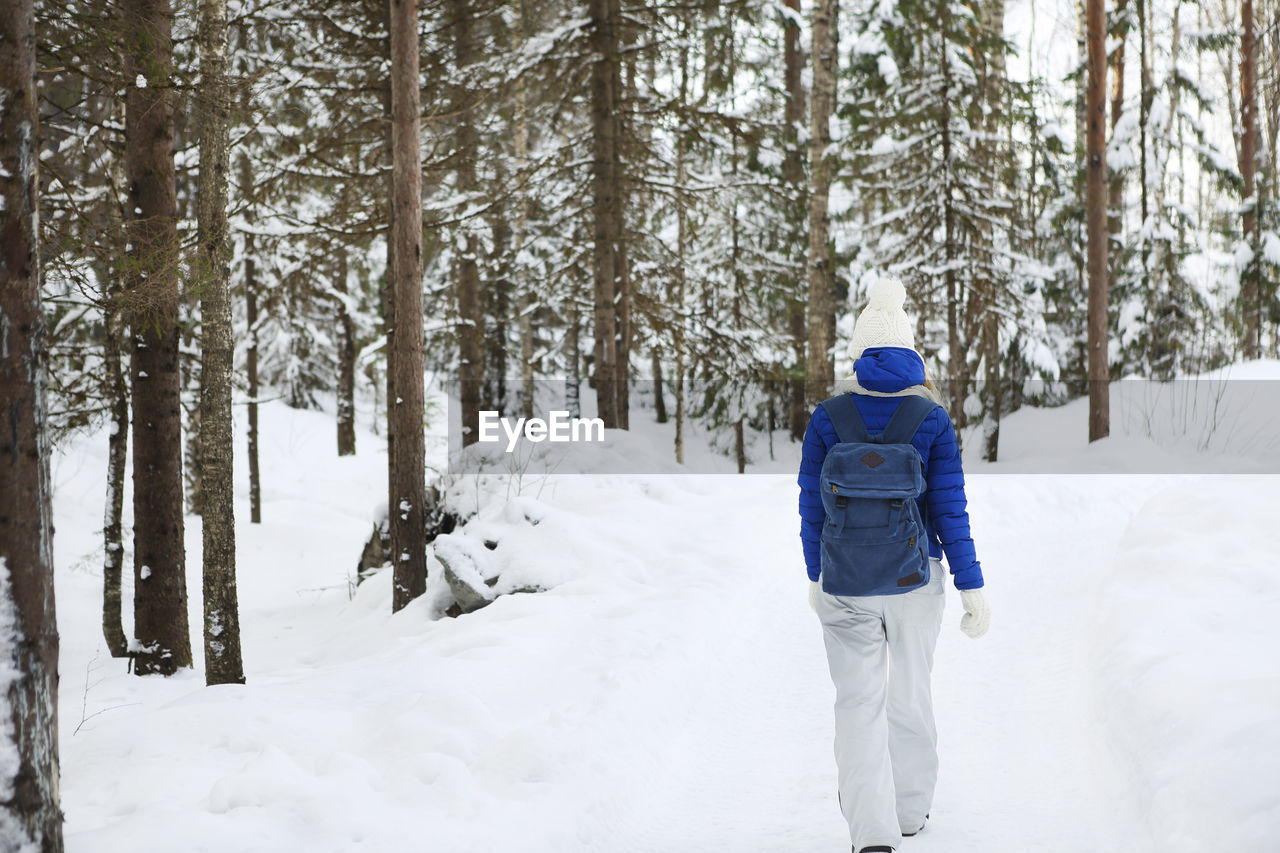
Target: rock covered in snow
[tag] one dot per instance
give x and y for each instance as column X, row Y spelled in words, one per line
column 468, row 569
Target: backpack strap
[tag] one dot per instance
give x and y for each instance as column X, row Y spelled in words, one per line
column 846, row 418
column 906, row 420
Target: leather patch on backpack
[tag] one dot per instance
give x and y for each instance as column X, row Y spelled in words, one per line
column 871, row 459
column 910, row 580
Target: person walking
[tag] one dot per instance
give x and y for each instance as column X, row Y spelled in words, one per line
column 881, row 501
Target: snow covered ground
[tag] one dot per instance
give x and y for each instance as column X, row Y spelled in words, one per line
column 670, row 693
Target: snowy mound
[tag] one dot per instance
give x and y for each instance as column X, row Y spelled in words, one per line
column 1189, row 686
column 1219, row 423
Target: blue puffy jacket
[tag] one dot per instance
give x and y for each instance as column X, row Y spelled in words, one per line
column 888, row 370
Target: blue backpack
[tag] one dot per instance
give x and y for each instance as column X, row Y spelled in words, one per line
column 873, row 539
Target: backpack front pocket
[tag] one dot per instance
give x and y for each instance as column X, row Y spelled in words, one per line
column 871, row 519
column 851, row 565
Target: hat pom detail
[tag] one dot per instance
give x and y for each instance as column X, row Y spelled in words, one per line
column 886, row 294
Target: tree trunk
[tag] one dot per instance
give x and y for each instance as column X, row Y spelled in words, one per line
column 496, row 305
column 1146, row 142
column 1115, row 188
column 161, row 629
column 30, row 814
column 346, row 361
column 625, row 34
column 388, row 291
column 1250, row 290
column 1162, row 340
column 819, row 363
column 682, row 247
column 955, row 353
column 1267, row 180
column 406, row 474
column 251, row 350
column 735, row 266
column 793, row 177
column 116, row 391
column 995, row 72
column 470, row 315
column 251, row 371
column 1096, row 219
column 604, row 156
column 659, row 402
column 622, row 298
column 1081, row 147
column 525, row 297
column 222, row 663
column 572, row 347
column 117, row 457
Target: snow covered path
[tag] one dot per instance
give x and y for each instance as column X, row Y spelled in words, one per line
column 1024, row 766
column 669, row 693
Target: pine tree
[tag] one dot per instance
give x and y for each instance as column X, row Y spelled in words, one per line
column 406, row 464
column 933, row 174
column 160, row 597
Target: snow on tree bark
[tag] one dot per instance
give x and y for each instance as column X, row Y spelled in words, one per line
column 30, row 817
column 406, row 460
column 116, row 386
column 161, row 630
column 223, row 663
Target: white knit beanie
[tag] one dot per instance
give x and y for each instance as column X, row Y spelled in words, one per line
column 883, row 323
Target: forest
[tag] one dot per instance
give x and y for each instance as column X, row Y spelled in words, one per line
column 667, row 211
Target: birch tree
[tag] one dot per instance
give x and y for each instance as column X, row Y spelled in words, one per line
column 217, row 448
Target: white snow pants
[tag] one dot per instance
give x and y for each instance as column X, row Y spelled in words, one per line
column 880, row 651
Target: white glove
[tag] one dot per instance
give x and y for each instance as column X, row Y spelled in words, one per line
column 977, row 615
column 814, row 586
